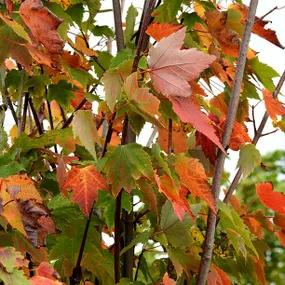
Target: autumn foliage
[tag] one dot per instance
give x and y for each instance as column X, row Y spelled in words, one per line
column 89, row 193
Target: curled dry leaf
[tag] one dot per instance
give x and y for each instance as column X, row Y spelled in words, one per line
column 43, row 25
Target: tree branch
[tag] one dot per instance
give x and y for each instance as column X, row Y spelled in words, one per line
column 231, row 115
column 36, row 118
column 25, row 110
column 256, row 138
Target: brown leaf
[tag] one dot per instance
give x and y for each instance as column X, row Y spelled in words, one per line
column 42, row 24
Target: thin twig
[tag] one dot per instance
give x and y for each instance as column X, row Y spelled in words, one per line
column 77, row 272
column 36, row 117
column 152, row 136
column 253, row 119
column 231, row 115
column 24, row 116
column 170, row 141
column 256, row 138
column 69, row 120
column 12, row 109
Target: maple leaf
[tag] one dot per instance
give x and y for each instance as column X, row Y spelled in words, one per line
column 273, row 106
column 125, row 165
column 189, row 112
column 167, row 280
column 179, row 139
column 176, row 194
column 84, row 127
column 193, row 176
column 208, row 147
column 141, row 97
column 171, row 68
column 258, row 26
column 162, row 30
column 84, row 183
column 218, row 277
column 269, row 198
column 249, row 158
column 42, row 24
column 239, row 135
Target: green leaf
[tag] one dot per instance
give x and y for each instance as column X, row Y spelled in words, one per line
column 190, row 19
column 264, row 73
column 112, row 85
column 167, row 11
column 125, row 165
column 102, row 31
column 130, row 23
column 177, row 232
column 102, row 62
column 10, row 258
column 93, row 7
column 139, row 238
column 24, row 142
column 122, row 56
column 236, row 230
column 16, row 277
column 61, row 92
column 76, row 13
column 81, row 76
column 84, row 127
column 16, row 27
column 249, row 158
column 9, row 165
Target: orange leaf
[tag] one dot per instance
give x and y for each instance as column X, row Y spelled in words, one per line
column 190, row 112
column 179, row 139
column 84, row 183
column 272, row 105
column 46, row 270
column 239, row 135
column 281, row 237
column 40, row 280
column 218, row 277
column 259, row 270
column 193, row 176
column 159, row 31
column 42, row 24
column 167, row 280
column 269, row 198
column 176, row 194
column 259, row 25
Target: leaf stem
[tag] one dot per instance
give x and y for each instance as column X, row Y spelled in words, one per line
column 25, row 110
column 231, row 115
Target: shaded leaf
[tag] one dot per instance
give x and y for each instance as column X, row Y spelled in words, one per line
column 84, row 127
column 125, row 165
column 249, row 158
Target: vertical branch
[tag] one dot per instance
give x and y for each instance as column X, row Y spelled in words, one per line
column 24, row 116
column 232, row 110
column 11, row 107
column 120, row 45
column 256, row 138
